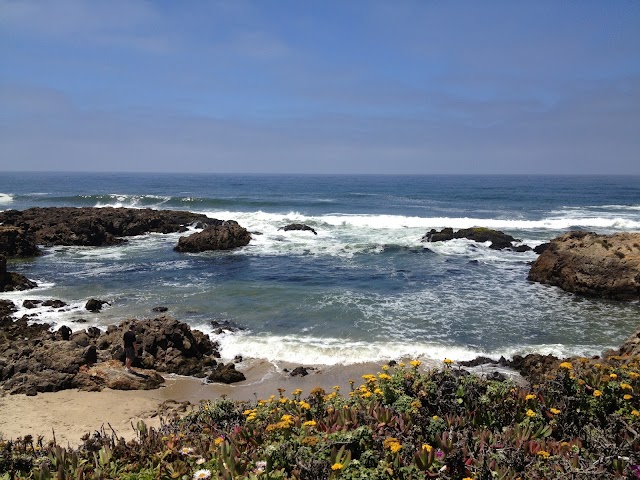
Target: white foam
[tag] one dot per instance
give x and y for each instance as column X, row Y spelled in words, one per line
column 117, row 200
column 5, row 198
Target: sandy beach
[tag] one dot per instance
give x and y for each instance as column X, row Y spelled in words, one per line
column 69, row 414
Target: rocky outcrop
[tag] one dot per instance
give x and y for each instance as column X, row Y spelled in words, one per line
column 224, row 235
column 499, row 240
column 14, row 242
column 298, row 226
column 167, row 345
column 95, row 226
column 12, row 281
column 34, row 359
column 606, row 266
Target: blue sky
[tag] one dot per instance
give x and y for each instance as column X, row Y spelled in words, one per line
column 320, row 87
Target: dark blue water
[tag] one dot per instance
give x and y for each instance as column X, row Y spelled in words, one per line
column 365, row 288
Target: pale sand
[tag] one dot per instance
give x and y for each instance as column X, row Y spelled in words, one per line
column 72, row 413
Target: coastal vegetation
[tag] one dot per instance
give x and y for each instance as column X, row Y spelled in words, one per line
column 403, row 422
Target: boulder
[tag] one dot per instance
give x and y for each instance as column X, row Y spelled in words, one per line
column 499, row 240
column 223, row 236
column 226, row 374
column 110, row 374
column 12, row 281
column 298, row 226
column 95, row 305
column 95, row 226
column 606, row 266
column 14, row 242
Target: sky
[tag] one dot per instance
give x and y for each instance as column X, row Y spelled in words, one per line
column 381, row 87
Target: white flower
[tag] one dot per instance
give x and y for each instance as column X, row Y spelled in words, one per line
column 186, row 450
column 200, row 461
column 202, row 474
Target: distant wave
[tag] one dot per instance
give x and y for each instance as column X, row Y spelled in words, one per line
column 5, row 198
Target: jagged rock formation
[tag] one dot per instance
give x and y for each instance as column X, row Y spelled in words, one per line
column 14, row 242
column 606, row 266
column 499, row 240
column 95, row 226
column 219, row 235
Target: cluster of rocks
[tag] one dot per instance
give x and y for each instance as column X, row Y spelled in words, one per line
column 35, row 359
column 22, row 231
column 499, row 240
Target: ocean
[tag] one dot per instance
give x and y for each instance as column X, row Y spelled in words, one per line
column 365, row 288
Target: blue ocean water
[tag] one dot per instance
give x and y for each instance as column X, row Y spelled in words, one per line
column 365, row 288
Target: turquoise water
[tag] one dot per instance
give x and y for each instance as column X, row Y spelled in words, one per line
column 365, row 288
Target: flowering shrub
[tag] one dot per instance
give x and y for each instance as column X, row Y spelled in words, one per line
column 401, row 423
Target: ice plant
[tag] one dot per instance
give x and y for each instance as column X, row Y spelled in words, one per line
column 204, row 473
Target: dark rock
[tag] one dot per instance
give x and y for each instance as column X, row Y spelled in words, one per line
column 541, row 248
column 497, row 377
column 54, row 303
column 223, row 236
column 7, row 307
column 477, row 361
column 298, row 226
column 606, row 266
column 499, row 240
column 31, row 303
column 15, row 242
column 521, row 248
column 299, row 372
column 159, row 309
column 12, row 281
column 95, row 226
column 226, row 374
column 237, row 359
column 94, row 305
column 221, row 326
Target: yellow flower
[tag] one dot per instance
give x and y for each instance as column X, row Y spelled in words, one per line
column 427, row 448
column 396, row 447
column 555, row 411
column 544, row 454
column 415, row 363
column 309, row 423
column 566, row 365
column 613, row 376
column 635, row 413
column 448, row 361
column 467, row 478
column 627, row 397
column 530, row 397
column 401, row 364
column 634, row 374
column 369, row 378
column 597, row 393
column 297, row 391
column 384, row 376
column 336, row 388
column 336, row 466
column 377, row 391
column 218, row 440
column 366, row 394
column 385, row 367
column 626, row 386
column 531, row 413
column 435, row 417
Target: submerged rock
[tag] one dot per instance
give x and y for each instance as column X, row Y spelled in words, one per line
column 298, row 226
column 606, row 266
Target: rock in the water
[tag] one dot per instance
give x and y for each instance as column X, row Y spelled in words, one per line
column 15, row 281
column 499, row 240
column 95, row 305
column 95, row 226
column 223, row 236
column 299, row 372
column 226, row 374
column 606, row 266
column 298, row 226
column 14, row 242
column 160, row 309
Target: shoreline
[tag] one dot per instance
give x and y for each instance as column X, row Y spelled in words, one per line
column 72, row 413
